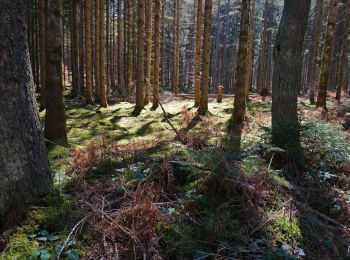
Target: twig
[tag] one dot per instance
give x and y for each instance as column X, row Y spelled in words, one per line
column 69, row 237
column 172, row 126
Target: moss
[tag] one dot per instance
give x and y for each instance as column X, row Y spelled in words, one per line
column 284, row 230
column 54, row 213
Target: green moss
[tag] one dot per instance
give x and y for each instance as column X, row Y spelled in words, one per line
column 284, row 230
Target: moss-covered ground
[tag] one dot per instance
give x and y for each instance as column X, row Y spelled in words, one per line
column 223, row 207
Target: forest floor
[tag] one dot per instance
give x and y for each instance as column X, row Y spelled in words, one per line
column 130, row 188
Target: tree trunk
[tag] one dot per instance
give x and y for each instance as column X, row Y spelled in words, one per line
column 120, row 53
column 156, row 53
column 315, row 49
column 241, row 75
column 97, row 50
column 197, row 66
column 176, row 44
column 149, row 13
column 102, row 48
column 129, row 47
column 140, row 58
column 344, row 55
column 55, row 119
column 250, row 63
column 42, row 39
column 287, row 75
column 24, row 167
column 327, row 52
column 75, row 47
column 203, row 104
column 88, row 51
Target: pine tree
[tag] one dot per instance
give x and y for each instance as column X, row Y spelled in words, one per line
column 237, row 120
column 88, row 51
column 327, row 52
column 197, row 66
column 24, row 169
column 149, row 14
column 287, row 75
column 203, row 104
column 140, row 57
column 156, row 54
column 315, row 49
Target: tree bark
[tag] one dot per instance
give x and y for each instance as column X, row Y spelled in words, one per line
column 237, row 121
column 24, row 173
column 327, row 52
column 42, row 39
column 55, row 119
column 203, row 104
column 176, row 45
column 140, row 58
column 197, row 65
column 102, row 49
column 287, row 75
column 315, row 49
column 88, row 51
column 344, row 55
column 156, row 53
column 149, row 13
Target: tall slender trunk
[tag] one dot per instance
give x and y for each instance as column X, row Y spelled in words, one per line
column 344, row 54
column 97, row 50
column 241, row 74
column 75, row 47
column 315, row 49
column 129, row 47
column 197, row 65
column 55, row 118
column 156, row 53
column 140, row 58
column 203, row 104
column 88, row 51
column 250, row 63
column 176, row 45
column 102, row 48
column 327, row 52
column 42, row 39
column 149, row 13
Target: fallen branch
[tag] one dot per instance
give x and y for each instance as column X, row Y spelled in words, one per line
column 69, row 237
column 169, row 122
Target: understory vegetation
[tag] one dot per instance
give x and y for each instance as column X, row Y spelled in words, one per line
column 131, row 188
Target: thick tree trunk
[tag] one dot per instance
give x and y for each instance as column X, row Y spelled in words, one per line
column 326, row 59
column 315, row 49
column 24, row 172
column 203, row 104
column 287, row 74
column 241, row 76
column 197, row 65
column 156, row 53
